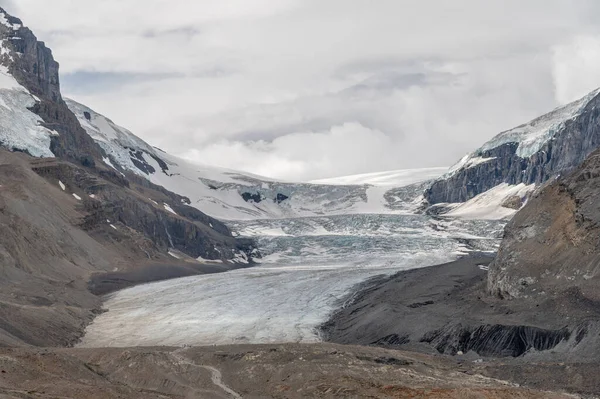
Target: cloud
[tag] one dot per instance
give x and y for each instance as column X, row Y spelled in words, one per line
column 575, row 66
column 303, row 89
column 303, row 155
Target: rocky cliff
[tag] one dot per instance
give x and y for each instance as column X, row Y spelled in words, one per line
column 31, row 63
column 552, row 245
column 531, row 154
column 74, row 224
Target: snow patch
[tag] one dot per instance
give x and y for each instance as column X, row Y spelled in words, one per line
column 395, row 178
column 168, row 208
column 62, row 185
column 488, row 205
column 19, row 127
column 173, row 254
column 107, row 161
column 4, row 21
column 113, row 226
column 202, row 260
column 77, row 197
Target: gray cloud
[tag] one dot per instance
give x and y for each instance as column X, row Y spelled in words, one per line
column 303, row 89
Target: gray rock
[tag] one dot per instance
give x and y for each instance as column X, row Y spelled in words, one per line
column 571, row 145
column 552, row 245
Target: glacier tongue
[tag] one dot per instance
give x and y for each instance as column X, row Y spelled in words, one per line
column 310, row 265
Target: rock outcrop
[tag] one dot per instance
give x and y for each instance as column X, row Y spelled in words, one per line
column 531, row 154
column 553, row 244
column 31, row 63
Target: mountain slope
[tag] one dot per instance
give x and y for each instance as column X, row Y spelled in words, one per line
column 228, row 194
column 73, row 225
column 532, row 153
column 552, row 245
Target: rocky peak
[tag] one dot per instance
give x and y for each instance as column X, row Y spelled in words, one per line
column 32, row 65
column 27, row 59
column 532, row 153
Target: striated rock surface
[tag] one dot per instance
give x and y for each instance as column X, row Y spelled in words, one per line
column 553, row 244
column 532, row 153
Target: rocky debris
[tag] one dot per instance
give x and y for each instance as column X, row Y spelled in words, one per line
column 188, row 230
column 551, row 247
column 573, row 142
column 95, row 233
column 274, row 371
column 446, row 309
column 513, row 202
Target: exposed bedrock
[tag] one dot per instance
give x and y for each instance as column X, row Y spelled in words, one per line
column 494, row 340
column 551, row 248
column 575, row 140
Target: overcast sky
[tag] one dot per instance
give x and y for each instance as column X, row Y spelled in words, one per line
column 304, row 89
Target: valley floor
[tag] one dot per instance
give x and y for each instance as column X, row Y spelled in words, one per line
column 248, row 371
column 444, row 310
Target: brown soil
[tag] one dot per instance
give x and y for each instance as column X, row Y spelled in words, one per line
column 259, row 371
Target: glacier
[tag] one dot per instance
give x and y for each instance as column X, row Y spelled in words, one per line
column 309, row 266
column 319, row 240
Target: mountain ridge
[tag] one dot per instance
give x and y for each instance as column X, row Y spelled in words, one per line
column 532, row 153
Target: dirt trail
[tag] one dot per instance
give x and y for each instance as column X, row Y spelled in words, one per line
column 216, row 376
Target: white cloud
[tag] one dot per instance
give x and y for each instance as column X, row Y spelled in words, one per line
column 576, row 67
column 293, row 88
column 303, row 155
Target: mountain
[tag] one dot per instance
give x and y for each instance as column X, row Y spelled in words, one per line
column 73, row 226
column 551, row 246
column 529, row 154
column 232, row 195
column 88, row 208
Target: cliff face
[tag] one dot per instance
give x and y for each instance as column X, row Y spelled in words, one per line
column 553, row 244
column 31, row 63
column 74, row 223
column 546, row 147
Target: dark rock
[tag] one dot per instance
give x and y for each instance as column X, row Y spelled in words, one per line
column 188, row 231
column 36, row 70
column 280, row 198
column 513, row 202
column 392, row 340
column 571, row 145
column 494, row 340
column 249, row 197
column 420, row 304
column 87, row 115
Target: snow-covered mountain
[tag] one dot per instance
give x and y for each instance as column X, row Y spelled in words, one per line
column 35, row 119
column 233, row 195
column 529, row 154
